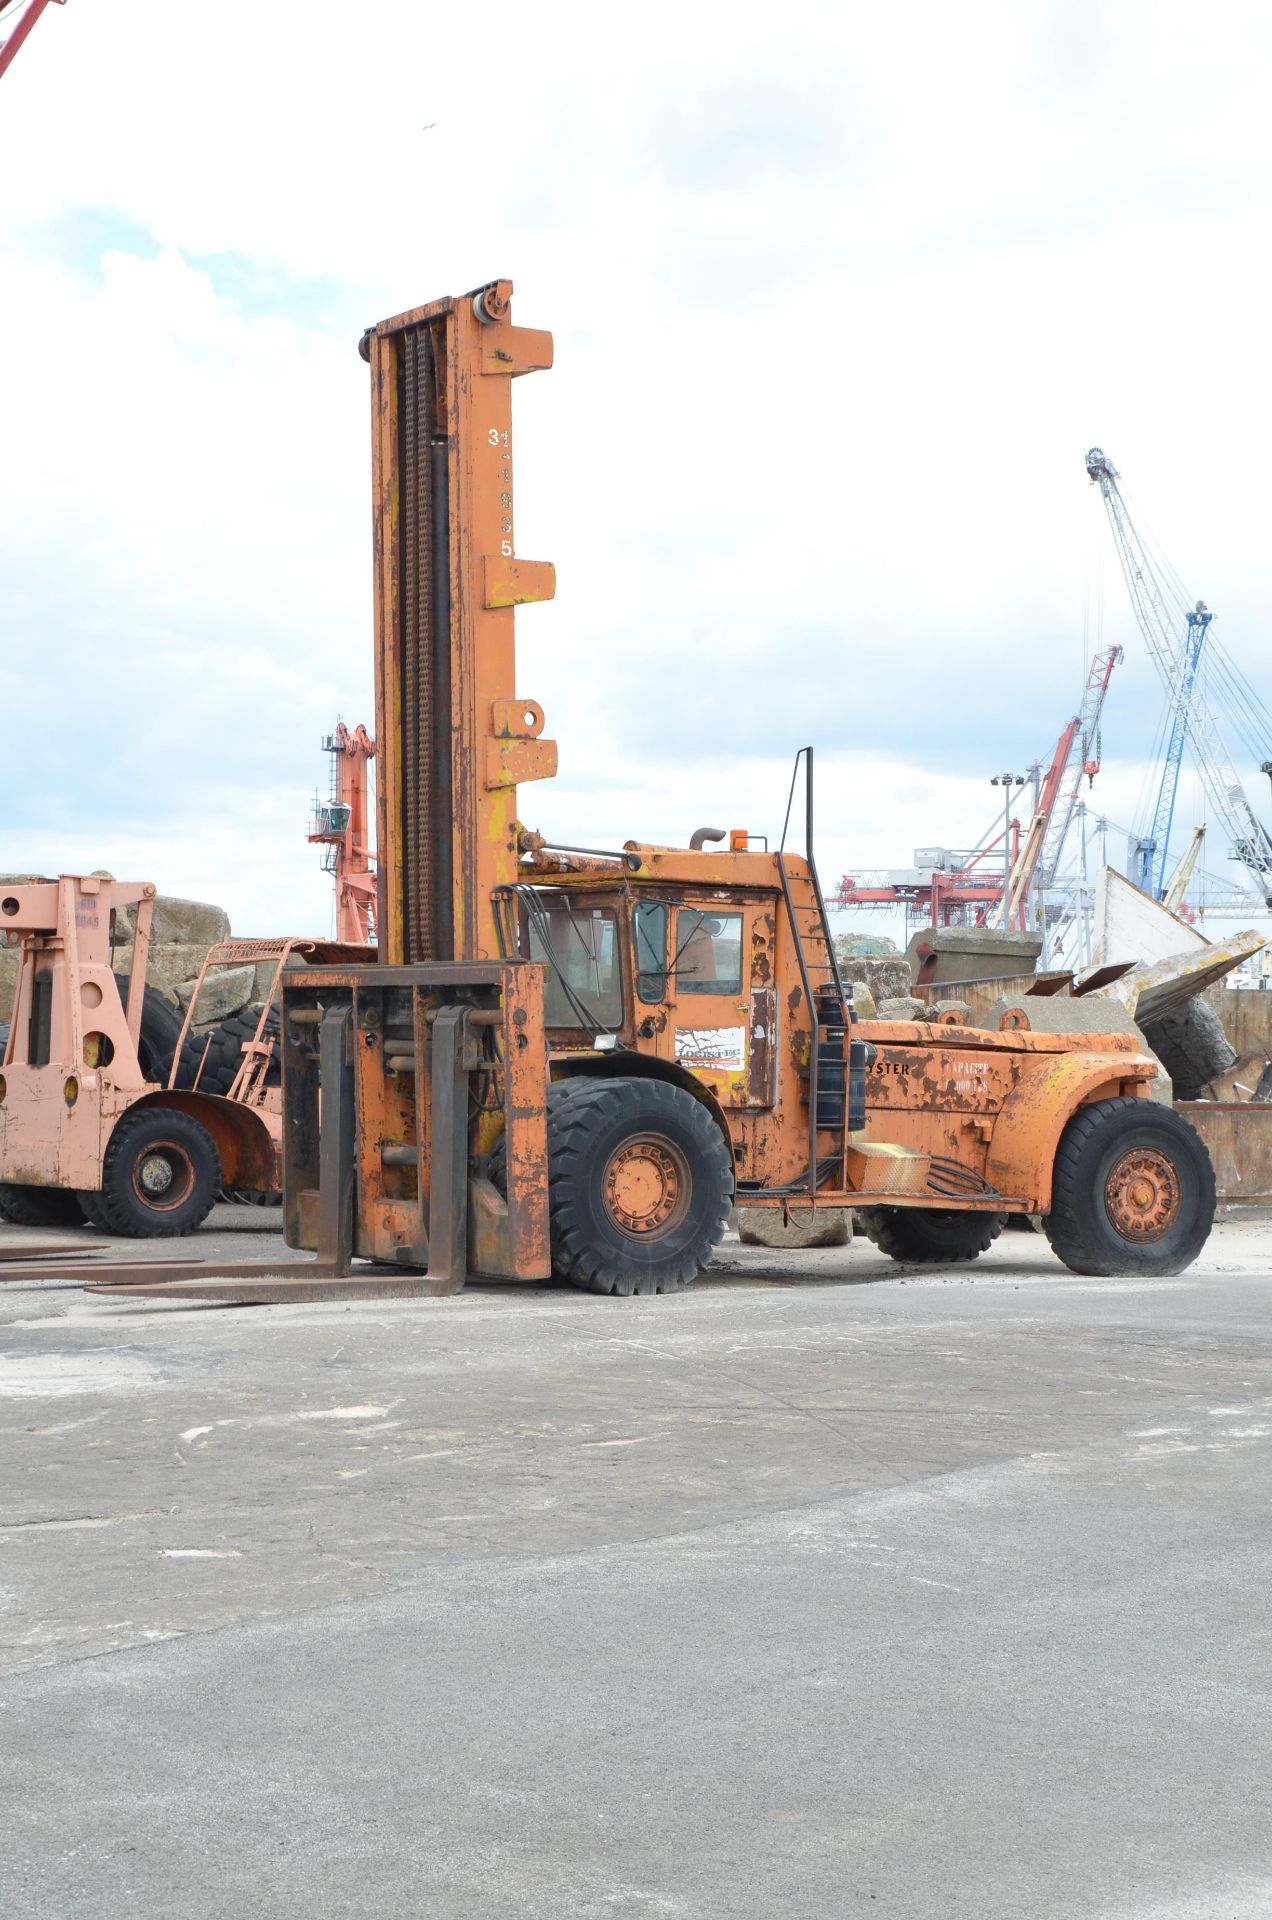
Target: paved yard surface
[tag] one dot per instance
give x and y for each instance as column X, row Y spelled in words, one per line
column 827, row 1588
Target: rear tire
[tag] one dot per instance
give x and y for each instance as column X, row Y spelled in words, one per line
column 1133, row 1190
column 40, row 1206
column 224, row 1052
column 640, row 1181
column 160, row 1031
column 1192, row 1046
column 929, row 1233
column 160, row 1175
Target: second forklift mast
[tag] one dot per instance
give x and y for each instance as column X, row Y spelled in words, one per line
column 453, row 735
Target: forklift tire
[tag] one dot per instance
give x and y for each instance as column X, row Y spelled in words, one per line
column 224, row 1052
column 929, row 1233
column 40, row 1206
column 160, row 1175
column 640, row 1182
column 1132, row 1190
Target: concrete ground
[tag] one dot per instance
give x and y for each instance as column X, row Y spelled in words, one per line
column 828, row 1588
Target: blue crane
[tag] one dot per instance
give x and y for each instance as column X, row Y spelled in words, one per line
column 1177, row 657
column 1153, row 850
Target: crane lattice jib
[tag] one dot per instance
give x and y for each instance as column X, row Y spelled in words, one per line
column 1251, row 844
column 1085, row 734
column 1156, row 849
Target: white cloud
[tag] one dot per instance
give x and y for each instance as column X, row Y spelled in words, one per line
column 840, row 296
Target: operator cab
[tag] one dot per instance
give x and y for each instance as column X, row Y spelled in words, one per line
column 677, row 973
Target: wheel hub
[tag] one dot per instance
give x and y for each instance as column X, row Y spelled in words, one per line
column 162, row 1176
column 646, row 1186
column 1142, row 1194
column 155, row 1175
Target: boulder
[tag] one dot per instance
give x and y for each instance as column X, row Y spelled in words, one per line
column 864, row 1003
column 167, row 967
column 904, row 1007
column 885, row 977
column 225, row 991
column 765, row 1227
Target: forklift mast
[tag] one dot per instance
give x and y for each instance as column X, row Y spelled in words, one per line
column 453, row 736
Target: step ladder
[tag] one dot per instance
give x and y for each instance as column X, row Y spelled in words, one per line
column 829, row 1006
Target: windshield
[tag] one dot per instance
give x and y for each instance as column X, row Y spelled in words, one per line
column 583, row 984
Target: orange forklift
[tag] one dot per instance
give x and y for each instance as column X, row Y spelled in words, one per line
column 571, row 1061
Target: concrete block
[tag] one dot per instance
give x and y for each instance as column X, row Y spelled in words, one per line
column 1059, row 1013
column 947, row 955
column 765, row 1227
column 864, row 1003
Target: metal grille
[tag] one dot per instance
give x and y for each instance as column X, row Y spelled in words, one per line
column 415, row 400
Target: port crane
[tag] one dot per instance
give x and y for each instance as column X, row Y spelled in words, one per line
column 341, row 826
column 16, row 22
column 1157, row 602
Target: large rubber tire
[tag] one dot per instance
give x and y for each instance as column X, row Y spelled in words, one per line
column 149, row 1145
column 558, row 1091
column 929, row 1233
column 40, row 1206
column 1133, row 1190
column 160, row 1031
column 640, row 1181
column 1192, row 1046
column 225, row 1052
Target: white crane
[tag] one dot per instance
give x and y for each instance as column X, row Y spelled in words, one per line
column 1175, row 634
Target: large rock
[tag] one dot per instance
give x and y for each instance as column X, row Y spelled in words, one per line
column 167, row 968
column 765, row 1227
column 188, row 923
column 885, row 977
column 226, row 990
column 904, row 1006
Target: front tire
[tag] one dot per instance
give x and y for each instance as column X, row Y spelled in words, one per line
column 160, row 1175
column 1133, row 1190
column 930, row 1233
column 640, row 1181
column 40, row 1206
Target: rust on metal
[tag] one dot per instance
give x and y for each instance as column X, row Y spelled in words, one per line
column 1142, row 1194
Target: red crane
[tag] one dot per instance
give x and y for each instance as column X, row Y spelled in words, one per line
column 16, row 22
column 341, row 823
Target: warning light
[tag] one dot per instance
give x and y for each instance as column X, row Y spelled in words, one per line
column 739, row 840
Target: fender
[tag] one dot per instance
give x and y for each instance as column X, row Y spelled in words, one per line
column 249, row 1157
column 638, row 1066
column 1027, row 1132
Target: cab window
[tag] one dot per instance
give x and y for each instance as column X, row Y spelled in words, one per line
column 651, row 950
column 708, row 956
column 583, row 977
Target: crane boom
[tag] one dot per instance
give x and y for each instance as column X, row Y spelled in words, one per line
column 1191, row 714
column 1154, row 850
column 1082, row 757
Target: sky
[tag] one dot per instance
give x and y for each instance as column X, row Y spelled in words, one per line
column 841, row 294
